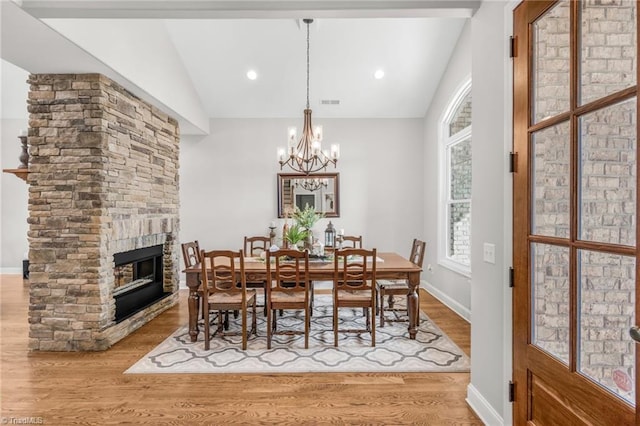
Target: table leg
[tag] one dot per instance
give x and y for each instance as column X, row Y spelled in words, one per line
column 193, row 282
column 413, row 303
column 194, row 300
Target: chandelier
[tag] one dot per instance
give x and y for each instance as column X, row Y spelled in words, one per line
column 312, row 184
column 306, row 156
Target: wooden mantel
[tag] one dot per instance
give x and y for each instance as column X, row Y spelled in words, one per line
column 21, row 173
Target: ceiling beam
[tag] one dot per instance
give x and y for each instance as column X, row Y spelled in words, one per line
column 266, row 9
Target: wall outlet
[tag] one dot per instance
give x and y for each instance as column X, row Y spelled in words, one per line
column 489, row 253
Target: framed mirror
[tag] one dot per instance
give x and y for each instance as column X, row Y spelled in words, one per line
column 319, row 190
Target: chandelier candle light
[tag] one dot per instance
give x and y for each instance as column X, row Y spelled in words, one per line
column 306, row 156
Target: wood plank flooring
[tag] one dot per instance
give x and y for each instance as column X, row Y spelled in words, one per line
column 90, row 389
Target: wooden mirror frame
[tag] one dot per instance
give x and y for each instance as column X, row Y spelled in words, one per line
column 284, row 179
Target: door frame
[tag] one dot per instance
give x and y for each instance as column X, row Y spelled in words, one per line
column 507, row 412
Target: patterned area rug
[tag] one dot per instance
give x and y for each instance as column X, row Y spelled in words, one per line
column 431, row 351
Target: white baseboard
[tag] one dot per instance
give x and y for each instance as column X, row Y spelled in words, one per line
column 11, row 271
column 482, row 408
column 447, row 301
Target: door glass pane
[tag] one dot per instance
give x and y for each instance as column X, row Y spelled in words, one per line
column 608, row 48
column 606, row 311
column 550, row 299
column 550, row 73
column 551, row 173
column 608, row 174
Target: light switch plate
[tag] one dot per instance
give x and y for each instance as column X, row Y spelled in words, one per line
column 489, row 253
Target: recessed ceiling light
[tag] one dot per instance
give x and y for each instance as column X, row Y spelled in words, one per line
column 252, row 75
column 378, row 74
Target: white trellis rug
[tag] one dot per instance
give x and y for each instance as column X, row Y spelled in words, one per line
column 431, row 351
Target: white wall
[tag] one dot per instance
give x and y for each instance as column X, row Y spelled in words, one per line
column 491, row 215
column 13, row 191
column 481, row 53
column 228, row 180
column 449, row 286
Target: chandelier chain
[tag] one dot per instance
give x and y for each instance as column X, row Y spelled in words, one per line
column 307, row 64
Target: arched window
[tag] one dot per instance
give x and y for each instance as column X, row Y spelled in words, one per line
column 454, row 238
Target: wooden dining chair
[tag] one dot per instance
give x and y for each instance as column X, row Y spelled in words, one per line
column 191, row 253
column 221, row 270
column 255, row 246
column 289, row 289
column 351, row 241
column 392, row 288
column 354, row 286
column 191, row 257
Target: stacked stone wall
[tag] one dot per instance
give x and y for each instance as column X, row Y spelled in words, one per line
column 103, row 179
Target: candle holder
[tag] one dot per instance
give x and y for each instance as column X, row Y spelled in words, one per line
column 22, row 171
column 339, row 240
column 24, row 155
column 272, row 234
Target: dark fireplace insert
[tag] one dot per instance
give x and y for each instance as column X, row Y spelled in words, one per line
column 138, row 276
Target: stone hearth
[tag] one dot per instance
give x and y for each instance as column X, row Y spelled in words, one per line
column 103, row 180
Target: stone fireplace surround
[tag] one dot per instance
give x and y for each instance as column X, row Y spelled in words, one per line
column 103, row 179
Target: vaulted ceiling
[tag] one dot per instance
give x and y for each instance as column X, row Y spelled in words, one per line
column 192, row 56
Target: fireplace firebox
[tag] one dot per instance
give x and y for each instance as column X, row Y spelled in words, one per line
column 138, row 280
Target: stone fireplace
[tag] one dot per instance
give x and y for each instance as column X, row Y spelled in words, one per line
column 103, row 212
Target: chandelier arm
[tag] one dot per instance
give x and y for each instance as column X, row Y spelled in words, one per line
column 308, row 166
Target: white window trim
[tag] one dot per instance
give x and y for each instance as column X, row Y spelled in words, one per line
column 445, row 141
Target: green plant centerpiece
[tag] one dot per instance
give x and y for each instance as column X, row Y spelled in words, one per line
column 306, row 219
column 295, row 235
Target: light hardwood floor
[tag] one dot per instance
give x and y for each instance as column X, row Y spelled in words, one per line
column 90, row 389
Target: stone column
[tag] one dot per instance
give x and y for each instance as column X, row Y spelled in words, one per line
column 103, row 175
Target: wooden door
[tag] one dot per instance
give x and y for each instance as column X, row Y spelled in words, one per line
column 575, row 213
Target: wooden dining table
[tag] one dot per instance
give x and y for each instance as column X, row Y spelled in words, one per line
column 389, row 266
